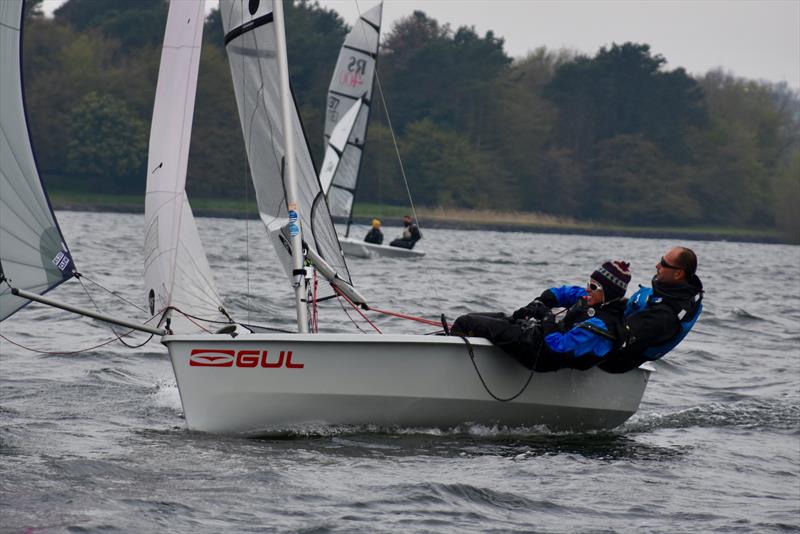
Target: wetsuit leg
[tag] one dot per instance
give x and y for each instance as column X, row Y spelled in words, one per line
column 520, row 341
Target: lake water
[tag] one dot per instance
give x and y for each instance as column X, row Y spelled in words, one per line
column 94, row 441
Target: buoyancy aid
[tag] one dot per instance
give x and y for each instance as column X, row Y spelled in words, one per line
column 687, row 313
column 609, row 313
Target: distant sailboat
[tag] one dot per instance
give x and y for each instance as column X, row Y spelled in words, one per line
column 346, row 121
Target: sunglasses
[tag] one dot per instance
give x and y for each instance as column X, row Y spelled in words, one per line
column 664, row 263
column 595, row 286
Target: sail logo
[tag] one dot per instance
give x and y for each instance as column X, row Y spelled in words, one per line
column 356, row 69
column 61, row 261
column 243, row 358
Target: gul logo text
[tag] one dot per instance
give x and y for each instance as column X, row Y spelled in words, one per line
column 242, row 358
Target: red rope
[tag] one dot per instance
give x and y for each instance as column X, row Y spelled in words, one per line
column 409, row 317
column 339, row 292
column 386, row 312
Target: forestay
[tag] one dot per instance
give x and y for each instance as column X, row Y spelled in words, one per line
column 352, row 80
column 33, row 254
column 177, row 273
column 251, row 46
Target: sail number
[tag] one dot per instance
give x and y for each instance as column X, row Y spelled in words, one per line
column 242, row 358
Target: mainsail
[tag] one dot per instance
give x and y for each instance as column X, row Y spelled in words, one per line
column 251, row 45
column 352, row 81
column 33, row 254
column 177, row 274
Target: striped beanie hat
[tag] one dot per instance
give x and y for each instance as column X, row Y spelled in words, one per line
column 613, row 276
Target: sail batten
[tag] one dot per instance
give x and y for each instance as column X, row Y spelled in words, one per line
column 33, row 253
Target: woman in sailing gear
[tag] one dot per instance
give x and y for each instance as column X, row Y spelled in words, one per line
column 657, row 318
column 586, row 335
column 375, row 235
column 410, row 235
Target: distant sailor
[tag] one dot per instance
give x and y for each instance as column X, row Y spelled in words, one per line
column 410, row 235
column 375, row 235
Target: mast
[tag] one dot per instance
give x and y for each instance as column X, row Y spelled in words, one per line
column 291, row 175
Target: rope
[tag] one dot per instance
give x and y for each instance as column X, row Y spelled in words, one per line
column 194, row 320
column 408, row 317
column 486, row 387
column 69, row 353
column 339, row 291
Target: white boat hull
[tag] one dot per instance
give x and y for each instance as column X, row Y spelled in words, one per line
column 361, row 249
column 267, row 384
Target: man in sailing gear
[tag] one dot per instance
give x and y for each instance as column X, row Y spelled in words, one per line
column 657, row 318
column 375, row 235
column 587, row 334
column 410, row 235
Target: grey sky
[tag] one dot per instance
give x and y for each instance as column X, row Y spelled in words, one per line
column 754, row 39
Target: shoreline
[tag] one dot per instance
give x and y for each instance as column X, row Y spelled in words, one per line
column 490, row 221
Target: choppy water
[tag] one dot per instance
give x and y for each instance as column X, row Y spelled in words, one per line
column 94, row 441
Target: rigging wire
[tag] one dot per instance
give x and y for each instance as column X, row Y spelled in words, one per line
column 339, row 291
column 119, row 336
column 431, row 282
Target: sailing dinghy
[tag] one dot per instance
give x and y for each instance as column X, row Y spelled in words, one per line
column 260, row 384
column 254, row 384
column 346, row 121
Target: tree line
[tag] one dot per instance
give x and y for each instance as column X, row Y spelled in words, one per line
column 613, row 137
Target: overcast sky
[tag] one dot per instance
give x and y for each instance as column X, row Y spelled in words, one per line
column 757, row 39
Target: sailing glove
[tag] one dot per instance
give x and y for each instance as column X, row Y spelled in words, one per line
column 535, row 310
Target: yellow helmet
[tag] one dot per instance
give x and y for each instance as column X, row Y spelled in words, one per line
column 376, row 223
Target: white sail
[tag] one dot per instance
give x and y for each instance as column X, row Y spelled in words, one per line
column 352, row 80
column 251, row 45
column 177, row 273
column 33, row 254
column 337, row 142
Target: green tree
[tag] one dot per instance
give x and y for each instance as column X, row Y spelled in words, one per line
column 33, row 9
column 728, row 178
column 623, row 91
column 520, row 132
column 107, row 144
column 443, row 169
column 217, row 156
column 631, row 182
column 787, row 199
column 380, row 180
column 431, row 72
column 134, row 24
